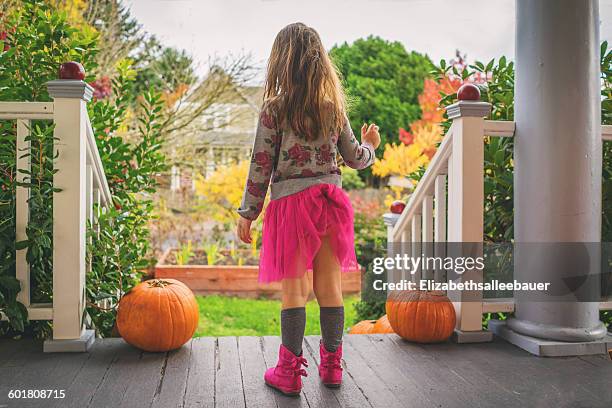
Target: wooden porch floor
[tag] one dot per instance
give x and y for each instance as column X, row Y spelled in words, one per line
column 380, row 371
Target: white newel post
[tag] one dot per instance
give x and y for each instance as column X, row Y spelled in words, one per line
column 465, row 211
column 69, row 216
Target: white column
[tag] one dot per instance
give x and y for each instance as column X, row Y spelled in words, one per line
column 558, row 165
column 69, row 215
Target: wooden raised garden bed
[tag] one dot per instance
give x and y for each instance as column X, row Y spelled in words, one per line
column 232, row 280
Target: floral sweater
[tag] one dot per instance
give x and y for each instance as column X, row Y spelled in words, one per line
column 294, row 164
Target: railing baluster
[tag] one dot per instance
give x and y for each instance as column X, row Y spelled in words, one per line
column 89, row 188
column 440, row 224
column 406, row 250
column 416, row 244
column 89, row 205
column 22, row 209
column 428, row 233
column 96, row 211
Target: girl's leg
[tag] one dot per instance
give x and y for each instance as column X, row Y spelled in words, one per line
column 293, row 314
column 286, row 376
column 327, row 285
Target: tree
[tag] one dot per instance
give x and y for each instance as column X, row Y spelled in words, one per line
column 163, row 68
column 383, row 82
column 166, row 70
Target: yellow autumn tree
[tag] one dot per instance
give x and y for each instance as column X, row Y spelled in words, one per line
column 74, row 9
column 417, row 146
column 400, row 160
column 221, row 192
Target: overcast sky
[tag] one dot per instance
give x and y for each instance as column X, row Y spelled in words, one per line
column 482, row 29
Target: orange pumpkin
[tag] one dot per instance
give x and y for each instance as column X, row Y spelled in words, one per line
column 420, row 316
column 382, row 326
column 158, row 315
column 363, row 327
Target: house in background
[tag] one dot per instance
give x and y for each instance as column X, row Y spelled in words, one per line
column 226, row 136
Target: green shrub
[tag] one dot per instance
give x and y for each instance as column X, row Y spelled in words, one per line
column 351, row 179
column 370, row 242
column 39, row 39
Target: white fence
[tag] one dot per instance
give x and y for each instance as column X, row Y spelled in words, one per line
column 81, row 179
column 447, row 206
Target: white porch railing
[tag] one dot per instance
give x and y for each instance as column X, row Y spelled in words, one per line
column 80, row 177
column 447, row 207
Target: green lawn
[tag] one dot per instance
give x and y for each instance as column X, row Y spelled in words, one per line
column 232, row 316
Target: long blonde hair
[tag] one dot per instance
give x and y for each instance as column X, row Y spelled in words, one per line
column 302, row 87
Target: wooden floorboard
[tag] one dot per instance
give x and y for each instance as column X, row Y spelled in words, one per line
column 525, row 376
column 144, row 377
column 15, row 357
column 170, row 392
column 479, row 384
column 200, row 391
column 80, row 391
column 253, row 365
column 367, row 378
column 49, row 371
column 228, row 384
column 545, row 382
column 113, row 386
column 381, row 358
column 379, row 371
column 349, row 395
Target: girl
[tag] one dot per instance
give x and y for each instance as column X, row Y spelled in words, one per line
column 308, row 224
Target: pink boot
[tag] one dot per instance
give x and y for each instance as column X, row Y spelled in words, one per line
column 330, row 369
column 287, row 375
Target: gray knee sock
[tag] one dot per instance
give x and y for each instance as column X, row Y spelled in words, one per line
column 293, row 323
column 332, row 327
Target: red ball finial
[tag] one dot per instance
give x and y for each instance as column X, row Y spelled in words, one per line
column 72, row 70
column 397, row 207
column 468, row 92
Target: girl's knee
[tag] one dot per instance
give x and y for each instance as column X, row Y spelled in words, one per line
column 329, row 296
column 295, row 294
column 291, row 300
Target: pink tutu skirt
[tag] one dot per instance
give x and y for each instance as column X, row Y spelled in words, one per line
column 294, row 225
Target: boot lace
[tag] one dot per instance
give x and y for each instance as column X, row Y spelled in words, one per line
column 297, row 366
column 331, row 361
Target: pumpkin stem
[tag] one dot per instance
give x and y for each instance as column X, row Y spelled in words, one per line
column 158, row 283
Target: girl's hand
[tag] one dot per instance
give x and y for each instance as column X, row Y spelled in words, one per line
column 244, row 230
column 369, row 134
